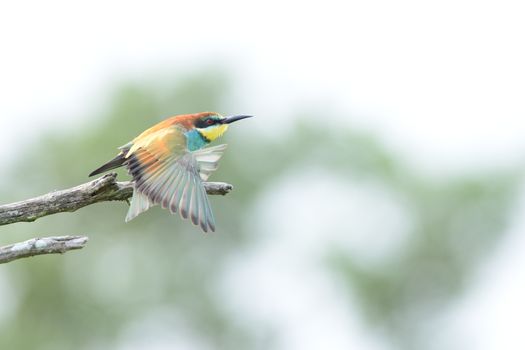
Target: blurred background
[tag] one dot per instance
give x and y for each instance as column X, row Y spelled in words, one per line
column 378, row 202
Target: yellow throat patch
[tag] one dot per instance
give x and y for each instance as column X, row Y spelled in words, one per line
column 213, row 132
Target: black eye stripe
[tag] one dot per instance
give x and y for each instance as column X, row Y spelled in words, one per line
column 205, row 122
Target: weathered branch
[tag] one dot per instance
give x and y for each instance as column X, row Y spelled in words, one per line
column 105, row 188
column 39, row 246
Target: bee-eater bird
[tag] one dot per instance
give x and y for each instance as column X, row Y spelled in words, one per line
column 168, row 163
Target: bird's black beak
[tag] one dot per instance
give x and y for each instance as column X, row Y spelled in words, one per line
column 234, row 118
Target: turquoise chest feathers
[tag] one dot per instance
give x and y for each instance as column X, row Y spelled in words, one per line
column 195, row 140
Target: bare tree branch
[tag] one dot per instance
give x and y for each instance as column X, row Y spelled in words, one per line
column 105, row 188
column 39, row 246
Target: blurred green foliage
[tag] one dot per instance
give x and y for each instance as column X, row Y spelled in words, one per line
column 84, row 300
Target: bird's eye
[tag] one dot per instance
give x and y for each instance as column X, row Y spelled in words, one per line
column 209, row 121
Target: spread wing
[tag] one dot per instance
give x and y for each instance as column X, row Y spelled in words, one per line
column 166, row 173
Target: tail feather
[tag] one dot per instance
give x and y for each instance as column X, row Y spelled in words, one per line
column 116, row 162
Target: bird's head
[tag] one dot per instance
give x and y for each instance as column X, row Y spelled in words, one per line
column 211, row 125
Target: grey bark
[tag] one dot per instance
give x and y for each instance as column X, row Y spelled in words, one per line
column 39, row 246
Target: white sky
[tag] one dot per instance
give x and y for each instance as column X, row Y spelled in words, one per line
column 442, row 82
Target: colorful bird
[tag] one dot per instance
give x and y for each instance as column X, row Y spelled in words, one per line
column 168, row 163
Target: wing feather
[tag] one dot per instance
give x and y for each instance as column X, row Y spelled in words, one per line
column 203, row 209
column 166, row 200
column 194, row 205
column 167, row 174
column 208, row 160
column 184, row 198
column 139, row 203
column 177, row 193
